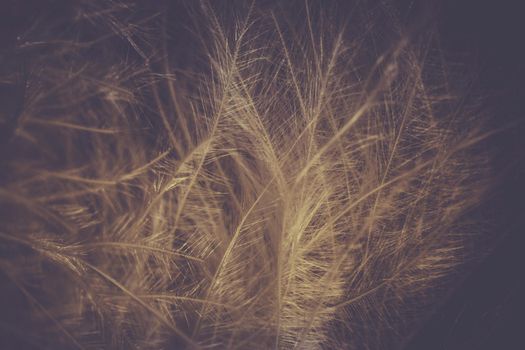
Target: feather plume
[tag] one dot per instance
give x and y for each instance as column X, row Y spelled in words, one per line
column 290, row 182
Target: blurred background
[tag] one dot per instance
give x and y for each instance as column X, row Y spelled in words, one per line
column 487, row 309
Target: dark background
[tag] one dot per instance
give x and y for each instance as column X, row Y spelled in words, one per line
column 487, row 311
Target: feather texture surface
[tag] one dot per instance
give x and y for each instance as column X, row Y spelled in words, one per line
column 274, row 181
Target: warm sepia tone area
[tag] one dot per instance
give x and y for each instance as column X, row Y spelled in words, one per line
column 239, row 175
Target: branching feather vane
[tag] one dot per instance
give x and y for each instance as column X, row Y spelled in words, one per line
column 291, row 183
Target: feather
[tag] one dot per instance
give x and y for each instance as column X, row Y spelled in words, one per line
column 301, row 183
